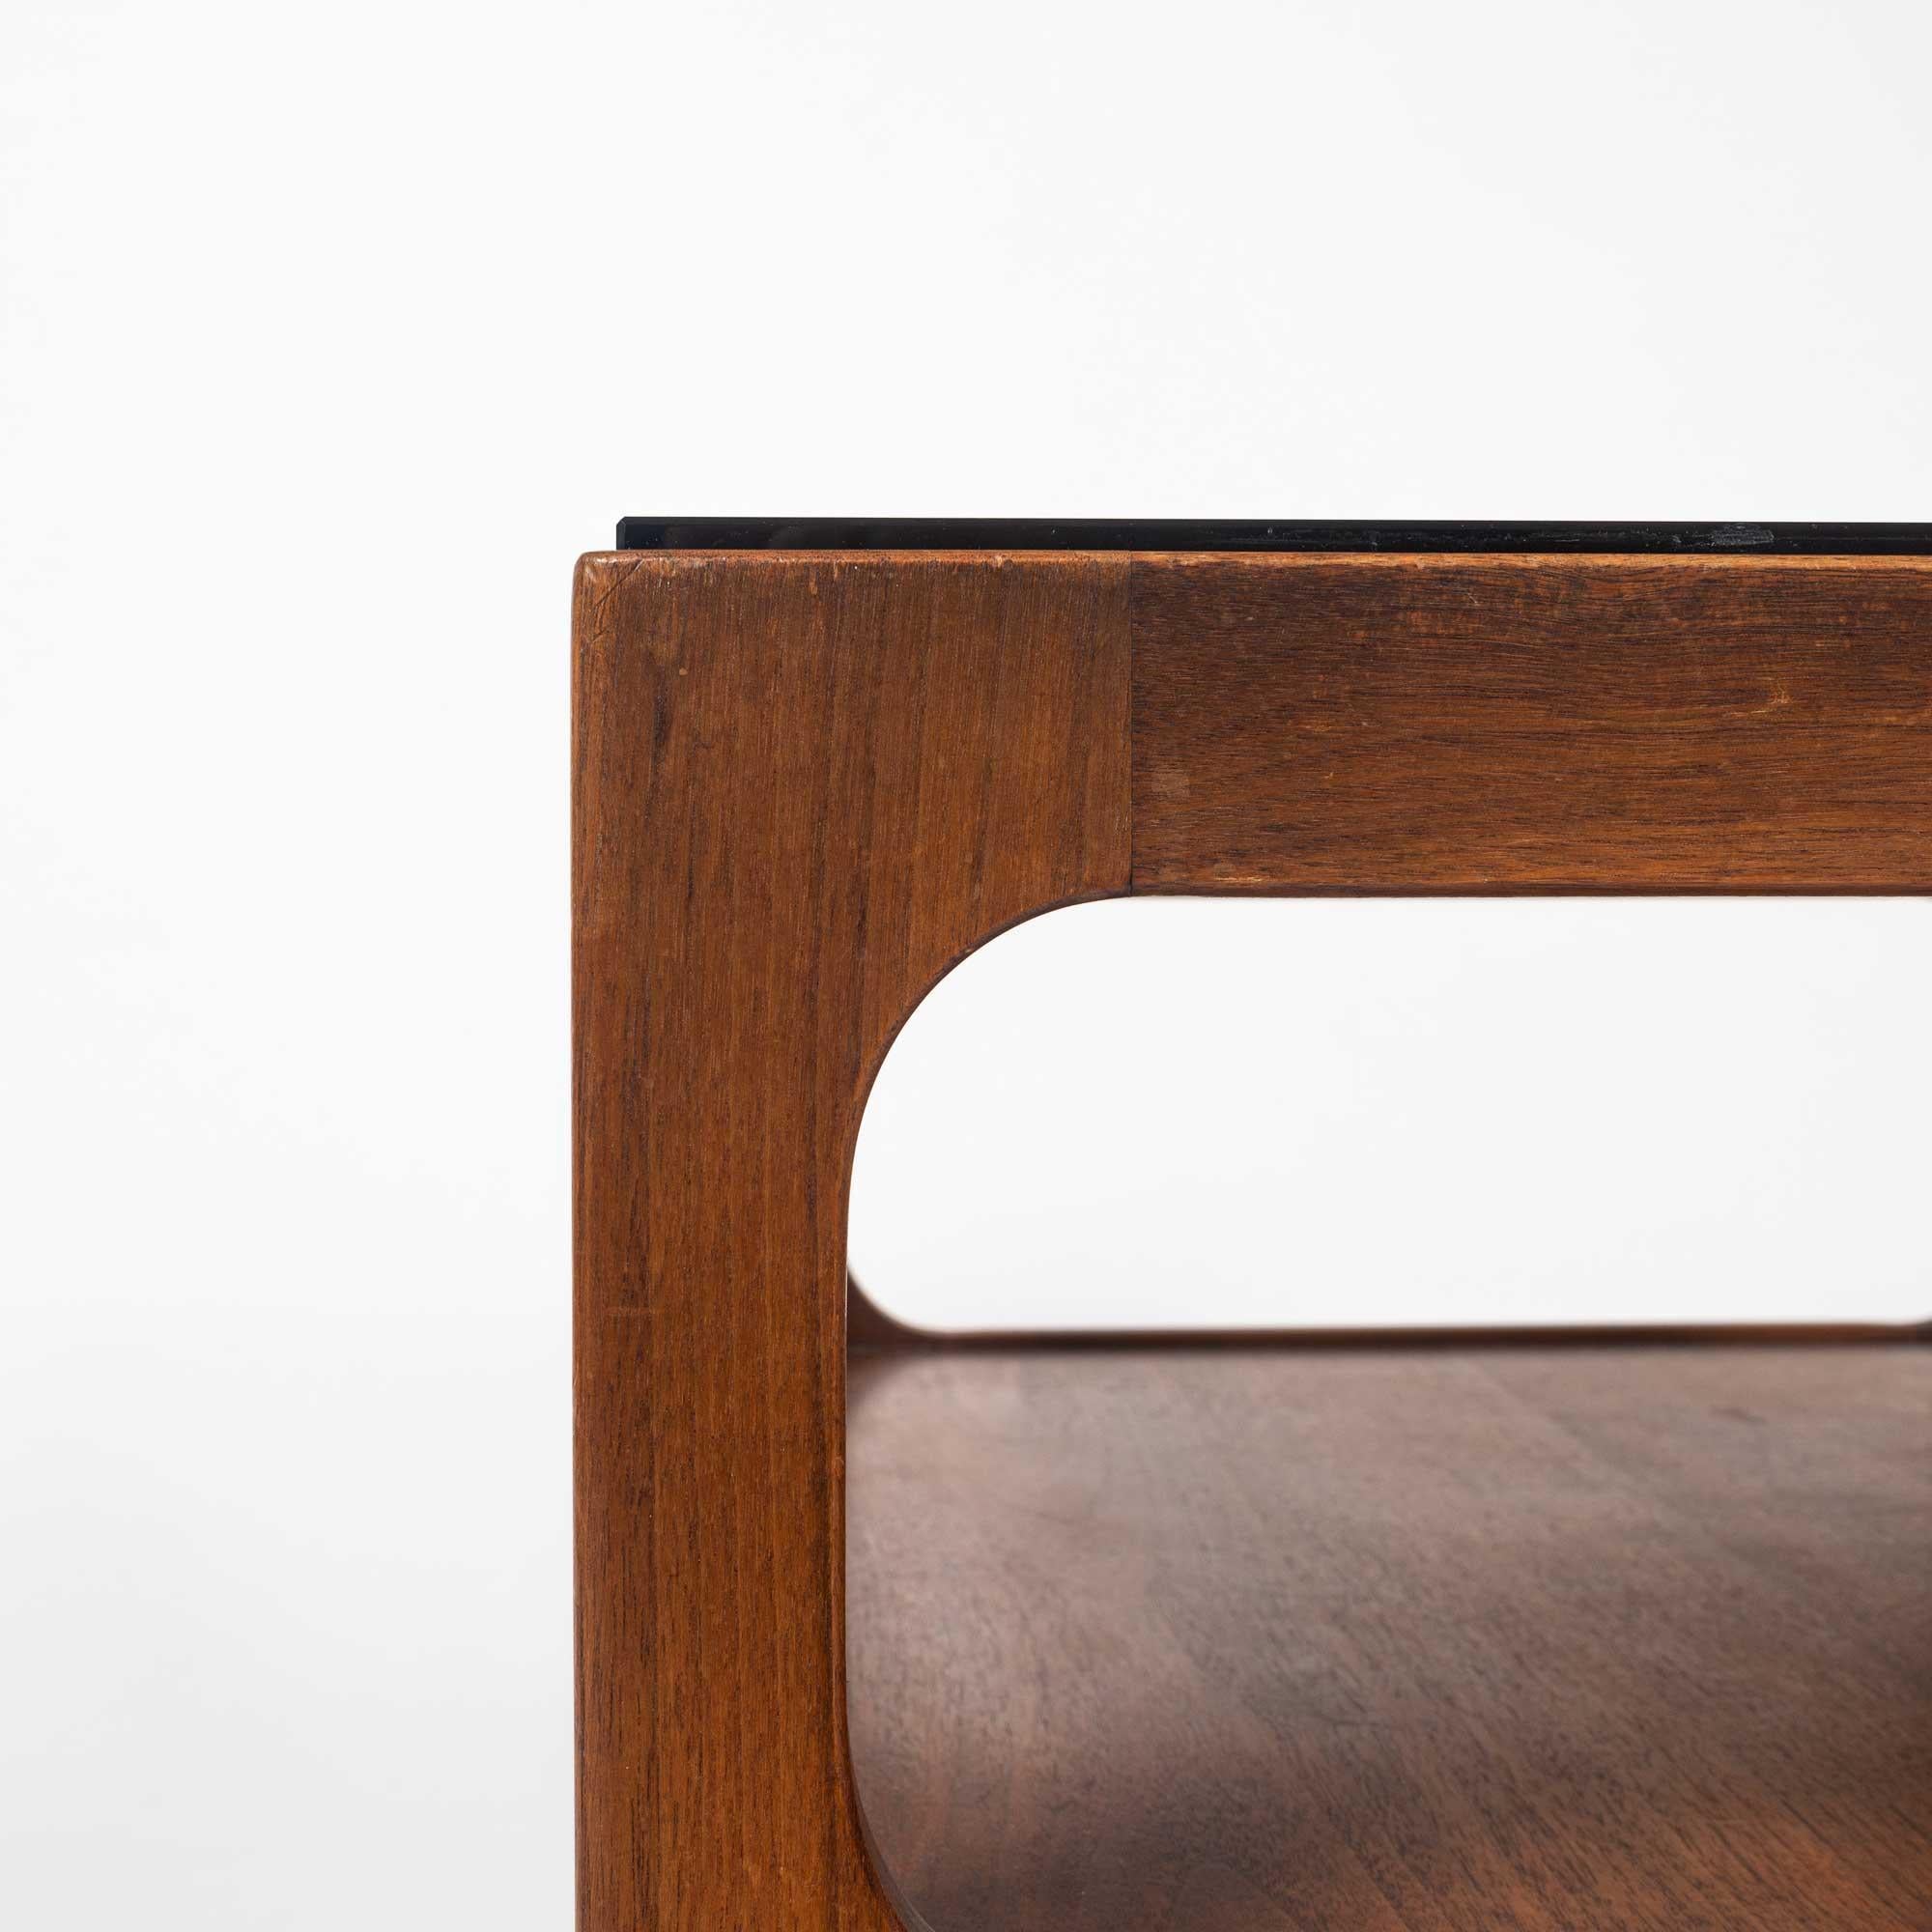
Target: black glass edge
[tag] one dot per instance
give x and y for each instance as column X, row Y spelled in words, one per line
column 1024, row 534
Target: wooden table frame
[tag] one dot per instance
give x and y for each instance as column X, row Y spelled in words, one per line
column 807, row 784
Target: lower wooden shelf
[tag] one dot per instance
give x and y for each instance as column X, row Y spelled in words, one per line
column 1396, row 1640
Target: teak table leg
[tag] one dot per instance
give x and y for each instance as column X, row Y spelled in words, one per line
column 805, row 786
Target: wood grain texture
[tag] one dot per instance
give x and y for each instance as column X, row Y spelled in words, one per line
column 1583, row 1640
column 1532, row 723
column 807, row 785
column 804, row 787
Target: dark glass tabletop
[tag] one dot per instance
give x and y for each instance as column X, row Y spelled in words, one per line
column 1025, row 533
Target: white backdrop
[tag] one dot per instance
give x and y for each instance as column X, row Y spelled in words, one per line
column 328, row 337
column 1217, row 1113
